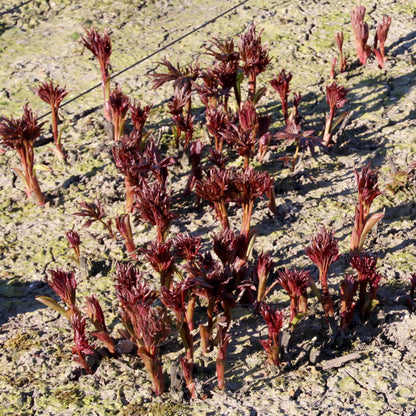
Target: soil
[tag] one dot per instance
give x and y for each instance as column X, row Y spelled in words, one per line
column 371, row 372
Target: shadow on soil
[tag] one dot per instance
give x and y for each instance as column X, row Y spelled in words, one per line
column 19, row 297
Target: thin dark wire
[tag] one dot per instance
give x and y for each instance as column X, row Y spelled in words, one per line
column 15, row 7
column 150, row 55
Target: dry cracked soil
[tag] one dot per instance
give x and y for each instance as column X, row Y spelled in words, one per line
column 372, row 371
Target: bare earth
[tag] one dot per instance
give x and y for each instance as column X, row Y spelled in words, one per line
column 373, row 372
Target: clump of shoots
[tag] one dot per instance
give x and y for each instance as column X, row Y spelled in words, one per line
column 243, row 137
column 323, row 251
column 183, row 121
column 246, row 135
column 137, row 162
column 220, row 284
column 100, row 46
column 74, row 241
column 123, row 226
column 368, row 190
column 129, row 161
column 293, row 133
column 152, row 204
column 176, row 299
column 226, row 68
column 339, row 39
column 95, row 212
column 218, row 159
column 196, row 168
column 216, row 122
column 132, row 289
column 348, row 287
column 20, row 134
column 296, row 283
column 182, row 79
column 274, row 320
column 365, row 264
column 157, row 166
column 335, row 98
column 187, row 247
column 151, row 327
column 210, row 92
column 263, row 269
column 145, row 325
column 119, row 106
column 215, row 188
column 96, row 315
column 64, row 285
column 250, row 185
column 381, row 37
column 83, row 351
column 230, row 246
column 139, row 116
column 360, row 33
column 255, row 59
column 53, row 95
column 161, row 259
column 281, row 85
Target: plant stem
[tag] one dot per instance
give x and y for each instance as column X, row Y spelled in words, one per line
column 246, row 162
column 105, row 83
column 222, row 214
column 247, row 212
column 36, row 189
column 251, row 86
column 328, row 124
column 237, row 96
column 129, row 194
column 154, row 370
column 56, row 137
column 190, row 312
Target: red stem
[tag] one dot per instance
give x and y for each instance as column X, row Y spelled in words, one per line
column 220, row 364
column 328, row 124
column 246, row 162
column 154, row 369
column 190, row 312
column 36, row 189
column 27, row 157
column 105, row 83
column 247, row 212
column 129, row 194
column 251, row 86
column 222, row 214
